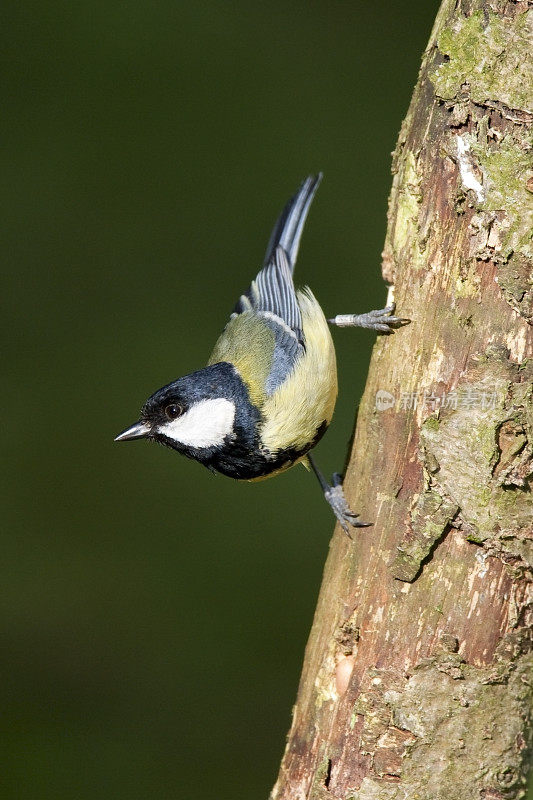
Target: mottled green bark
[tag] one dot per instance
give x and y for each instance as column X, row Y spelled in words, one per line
column 418, row 679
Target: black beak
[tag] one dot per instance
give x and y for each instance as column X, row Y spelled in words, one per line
column 138, row 431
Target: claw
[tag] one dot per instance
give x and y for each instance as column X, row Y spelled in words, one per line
column 335, row 497
column 385, row 320
column 380, row 320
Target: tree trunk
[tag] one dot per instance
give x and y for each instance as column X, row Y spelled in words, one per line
column 417, row 681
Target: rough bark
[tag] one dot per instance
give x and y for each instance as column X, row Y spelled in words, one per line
column 417, row 681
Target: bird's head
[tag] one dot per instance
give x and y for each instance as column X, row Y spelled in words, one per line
column 196, row 414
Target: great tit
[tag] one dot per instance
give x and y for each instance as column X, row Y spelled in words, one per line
column 268, row 392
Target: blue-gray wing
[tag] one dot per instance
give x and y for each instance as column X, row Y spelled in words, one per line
column 272, row 295
column 273, row 289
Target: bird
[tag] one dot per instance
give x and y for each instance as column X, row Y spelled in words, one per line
column 267, row 394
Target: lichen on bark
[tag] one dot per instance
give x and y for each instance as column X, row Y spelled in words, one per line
column 473, row 47
column 487, row 67
column 417, row 675
column 466, row 454
column 450, row 710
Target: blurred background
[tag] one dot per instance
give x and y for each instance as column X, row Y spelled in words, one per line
column 153, row 616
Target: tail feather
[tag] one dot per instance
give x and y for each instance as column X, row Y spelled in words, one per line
column 288, row 228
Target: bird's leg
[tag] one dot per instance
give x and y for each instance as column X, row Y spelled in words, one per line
column 335, row 496
column 380, row 320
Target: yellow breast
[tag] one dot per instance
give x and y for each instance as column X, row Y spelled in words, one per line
column 306, row 399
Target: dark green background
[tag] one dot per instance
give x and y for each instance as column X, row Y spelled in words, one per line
column 153, row 616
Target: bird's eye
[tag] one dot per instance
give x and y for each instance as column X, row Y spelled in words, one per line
column 173, row 411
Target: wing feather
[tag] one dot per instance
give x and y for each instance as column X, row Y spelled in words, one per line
column 272, row 296
column 275, row 293
column 289, row 225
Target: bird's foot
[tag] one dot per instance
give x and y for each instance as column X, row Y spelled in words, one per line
column 335, row 497
column 381, row 320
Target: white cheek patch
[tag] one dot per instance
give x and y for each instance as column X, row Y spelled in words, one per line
column 205, row 424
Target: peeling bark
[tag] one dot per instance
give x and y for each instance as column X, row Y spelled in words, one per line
column 417, row 680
